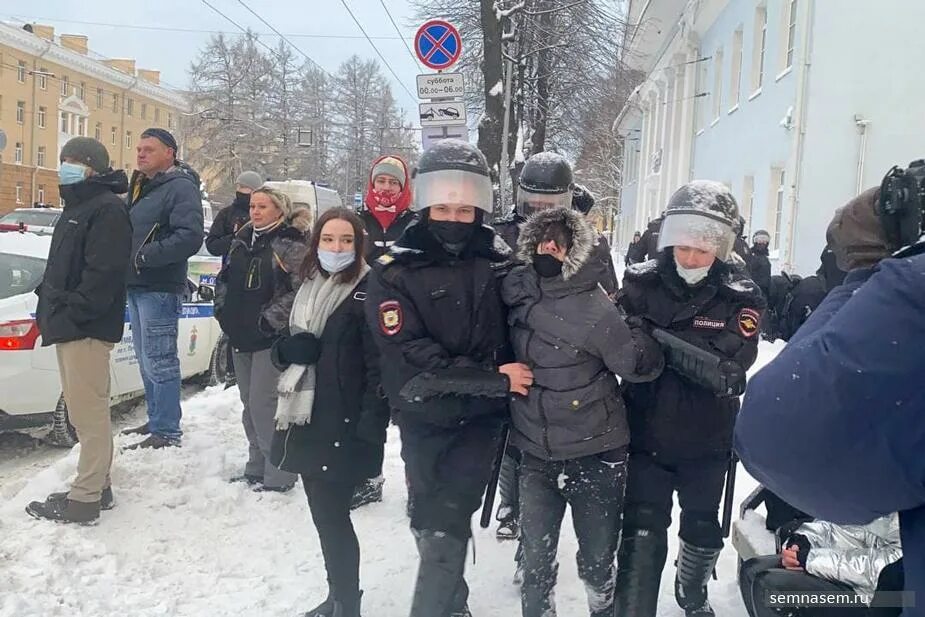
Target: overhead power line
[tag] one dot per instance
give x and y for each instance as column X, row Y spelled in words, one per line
column 240, row 27
column 379, row 53
column 398, row 31
column 283, row 37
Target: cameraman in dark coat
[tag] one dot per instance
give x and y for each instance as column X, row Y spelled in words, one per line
column 681, row 424
column 571, row 428
column 435, row 307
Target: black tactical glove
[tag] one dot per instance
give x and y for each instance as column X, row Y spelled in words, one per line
column 303, row 348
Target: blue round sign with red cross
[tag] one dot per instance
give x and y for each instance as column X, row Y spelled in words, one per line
column 438, row 44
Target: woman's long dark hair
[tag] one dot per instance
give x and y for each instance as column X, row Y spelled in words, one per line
column 311, row 266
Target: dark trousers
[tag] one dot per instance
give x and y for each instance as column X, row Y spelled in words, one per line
column 699, row 484
column 329, row 503
column 509, row 485
column 593, row 487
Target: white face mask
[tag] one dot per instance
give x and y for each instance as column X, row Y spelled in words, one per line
column 692, row 276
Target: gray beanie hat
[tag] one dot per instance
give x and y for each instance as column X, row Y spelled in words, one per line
column 390, row 166
column 88, row 151
column 250, row 179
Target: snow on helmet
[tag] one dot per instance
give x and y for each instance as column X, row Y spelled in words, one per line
column 452, row 172
column 702, row 214
column 545, row 182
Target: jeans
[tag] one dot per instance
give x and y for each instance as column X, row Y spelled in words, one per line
column 329, row 503
column 593, row 486
column 155, row 318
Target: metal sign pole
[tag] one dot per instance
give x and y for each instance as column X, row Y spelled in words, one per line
column 503, row 170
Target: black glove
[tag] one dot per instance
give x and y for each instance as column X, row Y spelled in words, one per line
column 303, row 348
column 649, row 355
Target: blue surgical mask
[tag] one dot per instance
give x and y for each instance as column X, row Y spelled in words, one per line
column 71, row 173
column 334, row 262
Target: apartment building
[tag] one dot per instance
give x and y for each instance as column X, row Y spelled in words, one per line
column 52, row 89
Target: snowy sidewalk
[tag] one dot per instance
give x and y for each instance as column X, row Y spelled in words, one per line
column 183, row 541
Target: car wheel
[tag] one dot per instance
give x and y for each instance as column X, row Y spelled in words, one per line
column 218, row 363
column 62, row 431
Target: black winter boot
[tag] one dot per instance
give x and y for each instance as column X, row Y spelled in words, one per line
column 368, row 491
column 695, row 566
column 639, row 571
column 106, row 500
column 325, row 609
column 443, row 562
column 348, row 607
column 66, row 511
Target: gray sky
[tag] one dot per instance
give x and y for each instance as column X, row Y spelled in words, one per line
column 171, row 52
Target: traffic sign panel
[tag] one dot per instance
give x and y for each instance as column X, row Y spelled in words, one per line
column 440, row 85
column 443, row 113
column 438, row 44
column 432, row 134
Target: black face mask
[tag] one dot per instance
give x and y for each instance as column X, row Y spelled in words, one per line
column 454, row 236
column 242, row 199
column 547, row 266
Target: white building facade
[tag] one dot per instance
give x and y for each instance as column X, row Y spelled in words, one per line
column 796, row 105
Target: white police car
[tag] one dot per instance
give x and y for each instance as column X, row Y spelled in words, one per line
column 30, row 390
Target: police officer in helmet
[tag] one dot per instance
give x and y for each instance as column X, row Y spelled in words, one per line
column 436, row 309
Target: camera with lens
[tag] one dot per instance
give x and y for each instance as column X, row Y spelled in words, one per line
column 902, row 204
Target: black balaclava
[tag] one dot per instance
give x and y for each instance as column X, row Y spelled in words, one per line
column 453, row 235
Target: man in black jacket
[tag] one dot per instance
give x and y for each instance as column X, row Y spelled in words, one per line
column 81, row 311
column 167, row 229
column 232, row 218
column 759, row 263
column 435, row 308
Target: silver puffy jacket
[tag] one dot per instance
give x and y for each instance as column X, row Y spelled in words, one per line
column 852, row 554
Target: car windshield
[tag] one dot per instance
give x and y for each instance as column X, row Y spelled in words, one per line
column 37, row 217
column 19, row 274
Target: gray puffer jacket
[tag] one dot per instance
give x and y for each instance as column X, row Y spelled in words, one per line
column 574, row 339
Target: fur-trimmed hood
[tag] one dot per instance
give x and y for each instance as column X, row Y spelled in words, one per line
column 583, row 238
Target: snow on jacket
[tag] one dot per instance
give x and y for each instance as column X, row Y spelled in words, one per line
column 82, row 294
column 852, row 554
column 257, row 285
column 167, row 228
column 834, row 425
column 574, row 339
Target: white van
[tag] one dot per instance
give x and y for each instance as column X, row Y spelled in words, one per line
column 308, row 195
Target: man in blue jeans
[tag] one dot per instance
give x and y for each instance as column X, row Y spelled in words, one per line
column 166, row 212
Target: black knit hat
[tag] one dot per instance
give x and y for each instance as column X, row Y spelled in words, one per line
column 88, row 151
column 164, row 136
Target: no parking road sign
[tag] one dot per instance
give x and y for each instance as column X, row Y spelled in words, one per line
column 438, row 44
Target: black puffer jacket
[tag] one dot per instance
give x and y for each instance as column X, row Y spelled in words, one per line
column 672, row 415
column 344, row 440
column 649, row 239
column 227, row 223
column 574, row 339
column 256, row 286
column 759, row 268
column 167, row 228
column 82, row 294
column 440, row 325
column 379, row 241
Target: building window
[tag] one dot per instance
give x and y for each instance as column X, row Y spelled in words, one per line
column 63, row 122
column 735, row 79
column 761, row 42
column 128, row 139
column 40, row 157
column 98, row 132
column 99, row 98
column 169, row 120
column 157, row 115
column 43, row 78
column 778, row 177
column 82, row 91
column 114, row 133
column 717, row 82
column 81, row 126
column 41, row 117
column 17, row 153
column 144, row 111
column 703, row 95
column 130, row 106
column 21, row 72
column 791, row 32
column 64, row 86
column 115, row 103
column 19, row 193
column 20, row 112
column 41, row 193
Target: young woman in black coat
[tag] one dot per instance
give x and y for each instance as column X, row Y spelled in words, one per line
column 332, row 417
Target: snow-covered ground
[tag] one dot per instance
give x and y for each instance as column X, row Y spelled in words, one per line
column 183, row 541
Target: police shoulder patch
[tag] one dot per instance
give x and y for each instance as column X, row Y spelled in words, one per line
column 391, row 319
column 749, row 320
column 385, row 260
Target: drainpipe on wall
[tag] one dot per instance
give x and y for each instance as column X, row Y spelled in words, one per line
column 32, row 145
column 862, row 124
column 802, row 102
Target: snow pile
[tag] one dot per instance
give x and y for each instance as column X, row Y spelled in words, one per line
column 497, row 89
column 183, row 541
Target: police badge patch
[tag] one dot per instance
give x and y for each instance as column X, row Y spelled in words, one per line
column 748, row 322
column 390, row 317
